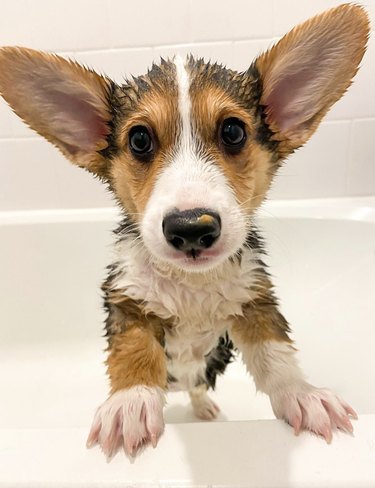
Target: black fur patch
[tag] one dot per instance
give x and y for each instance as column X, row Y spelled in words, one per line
column 218, row 359
column 255, row 241
column 115, row 109
column 171, row 378
column 126, row 228
column 109, row 308
column 161, row 78
column 264, row 133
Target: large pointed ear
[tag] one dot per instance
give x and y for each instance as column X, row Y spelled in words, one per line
column 64, row 102
column 309, row 69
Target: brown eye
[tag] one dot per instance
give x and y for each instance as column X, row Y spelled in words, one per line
column 140, row 141
column 233, row 134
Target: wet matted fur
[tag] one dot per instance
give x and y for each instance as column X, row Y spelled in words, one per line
column 198, row 143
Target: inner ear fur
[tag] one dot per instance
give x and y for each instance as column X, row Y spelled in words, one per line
column 61, row 100
column 309, row 69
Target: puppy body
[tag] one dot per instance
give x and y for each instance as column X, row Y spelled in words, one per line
column 189, row 151
column 197, row 308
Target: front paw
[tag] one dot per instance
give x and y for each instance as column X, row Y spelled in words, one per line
column 315, row 409
column 130, row 419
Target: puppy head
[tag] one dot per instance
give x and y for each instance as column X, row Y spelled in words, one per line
column 190, row 148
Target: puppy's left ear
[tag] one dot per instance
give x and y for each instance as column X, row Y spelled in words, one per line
column 308, row 70
column 63, row 101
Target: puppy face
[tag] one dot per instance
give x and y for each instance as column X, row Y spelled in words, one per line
column 190, row 148
column 204, row 166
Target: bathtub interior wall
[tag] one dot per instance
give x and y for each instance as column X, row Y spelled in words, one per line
column 51, row 335
column 115, row 38
column 52, row 373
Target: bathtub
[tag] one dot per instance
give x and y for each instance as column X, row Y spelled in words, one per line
column 322, row 257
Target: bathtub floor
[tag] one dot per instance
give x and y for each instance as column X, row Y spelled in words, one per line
column 61, row 386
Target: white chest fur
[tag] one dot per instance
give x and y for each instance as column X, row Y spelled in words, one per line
column 194, row 300
column 200, row 305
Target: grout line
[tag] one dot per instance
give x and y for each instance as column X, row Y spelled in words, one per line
column 168, row 45
column 192, row 44
column 20, row 139
column 112, row 48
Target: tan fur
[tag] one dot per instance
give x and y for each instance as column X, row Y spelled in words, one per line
column 125, row 312
column 261, row 319
column 133, row 180
column 136, row 358
column 250, row 172
column 342, row 33
column 136, row 355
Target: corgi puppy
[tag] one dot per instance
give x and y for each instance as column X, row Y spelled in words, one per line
column 189, row 151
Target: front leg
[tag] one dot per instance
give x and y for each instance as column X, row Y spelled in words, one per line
column 132, row 416
column 262, row 338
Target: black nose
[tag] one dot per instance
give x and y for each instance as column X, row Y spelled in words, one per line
column 193, row 230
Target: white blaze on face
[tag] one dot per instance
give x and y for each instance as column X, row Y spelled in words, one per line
column 191, row 180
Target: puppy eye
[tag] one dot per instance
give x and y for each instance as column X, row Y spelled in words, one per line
column 233, row 134
column 140, row 141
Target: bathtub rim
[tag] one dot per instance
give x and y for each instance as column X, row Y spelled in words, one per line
column 342, row 208
column 185, row 457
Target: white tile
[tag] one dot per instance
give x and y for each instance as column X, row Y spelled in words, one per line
column 15, row 28
column 64, row 25
column 34, row 175
column 118, row 63
column 361, row 173
column 5, row 123
column 221, row 52
column 213, row 20
column 79, row 189
column 168, row 52
column 289, row 13
column 245, row 52
column 370, row 7
column 27, row 175
column 148, row 23
column 319, row 169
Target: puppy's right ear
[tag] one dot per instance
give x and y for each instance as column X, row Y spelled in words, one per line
column 66, row 103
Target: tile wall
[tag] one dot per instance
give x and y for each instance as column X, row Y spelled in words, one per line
column 122, row 37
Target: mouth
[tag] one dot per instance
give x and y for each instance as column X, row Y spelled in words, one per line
column 196, row 257
column 195, row 254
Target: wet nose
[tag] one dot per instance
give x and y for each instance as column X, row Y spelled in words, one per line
column 193, row 230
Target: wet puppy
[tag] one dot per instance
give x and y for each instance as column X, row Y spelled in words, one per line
column 189, row 151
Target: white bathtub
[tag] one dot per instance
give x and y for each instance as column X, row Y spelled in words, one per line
column 322, row 254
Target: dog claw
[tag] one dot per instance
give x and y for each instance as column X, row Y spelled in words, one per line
column 350, row 411
column 93, row 437
column 125, row 420
column 129, row 449
column 326, row 433
column 154, row 440
column 314, row 409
